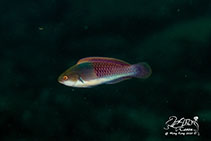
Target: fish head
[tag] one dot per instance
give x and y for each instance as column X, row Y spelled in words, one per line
column 69, row 78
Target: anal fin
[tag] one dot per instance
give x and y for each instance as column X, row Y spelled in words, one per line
column 117, row 80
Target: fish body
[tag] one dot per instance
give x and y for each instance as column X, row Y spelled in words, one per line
column 92, row 71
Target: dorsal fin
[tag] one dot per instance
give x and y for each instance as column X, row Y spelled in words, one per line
column 97, row 59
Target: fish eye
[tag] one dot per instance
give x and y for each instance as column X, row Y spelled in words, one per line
column 65, row 77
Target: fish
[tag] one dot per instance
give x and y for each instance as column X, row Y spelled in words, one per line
column 92, row 71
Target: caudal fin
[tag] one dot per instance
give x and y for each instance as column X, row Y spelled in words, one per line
column 142, row 70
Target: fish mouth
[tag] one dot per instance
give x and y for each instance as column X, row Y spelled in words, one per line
column 60, row 80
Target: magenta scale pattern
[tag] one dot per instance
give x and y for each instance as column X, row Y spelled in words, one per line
column 110, row 67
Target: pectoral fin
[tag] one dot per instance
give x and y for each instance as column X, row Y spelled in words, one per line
column 81, row 79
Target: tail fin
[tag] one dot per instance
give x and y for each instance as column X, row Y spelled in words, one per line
column 142, row 70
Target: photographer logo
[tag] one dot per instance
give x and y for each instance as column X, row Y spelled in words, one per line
column 182, row 126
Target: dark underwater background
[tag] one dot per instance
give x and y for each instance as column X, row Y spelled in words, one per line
column 40, row 39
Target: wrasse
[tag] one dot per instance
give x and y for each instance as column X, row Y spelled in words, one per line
column 92, row 71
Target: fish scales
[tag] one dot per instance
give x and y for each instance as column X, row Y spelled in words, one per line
column 92, row 71
column 108, row 68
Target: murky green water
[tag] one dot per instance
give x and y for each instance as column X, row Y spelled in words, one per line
column 40, row 39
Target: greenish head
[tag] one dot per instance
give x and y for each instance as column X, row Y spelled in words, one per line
column 69, row 77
